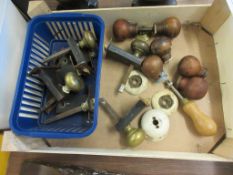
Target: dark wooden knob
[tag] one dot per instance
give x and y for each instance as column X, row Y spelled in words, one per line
column 123, row 29
column 189, row 66
column 192, row 88
column 140, row 48
column 166, row 57
column 161, row 46
column 170, row 27
column 152, row 66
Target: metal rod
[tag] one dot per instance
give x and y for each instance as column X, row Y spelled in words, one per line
column 85, row 106
column 49, row 103
column 109, row 110
column 174, row 90
column 63, row 115
column 57, row 55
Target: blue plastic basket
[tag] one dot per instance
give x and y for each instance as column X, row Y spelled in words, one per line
column 47, row 34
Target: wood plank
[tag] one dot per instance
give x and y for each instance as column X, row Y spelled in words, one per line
column 223, row 39
column 33, row 145
column 37, row 8
column 129, row 166
column 12, row 142
column 193, row 13
column 216, row 16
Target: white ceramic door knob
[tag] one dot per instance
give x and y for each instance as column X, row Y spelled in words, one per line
column 156, row 124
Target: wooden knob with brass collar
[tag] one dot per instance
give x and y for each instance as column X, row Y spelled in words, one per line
column 161, row 46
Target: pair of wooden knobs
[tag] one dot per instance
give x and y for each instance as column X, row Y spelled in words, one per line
column 123, row 29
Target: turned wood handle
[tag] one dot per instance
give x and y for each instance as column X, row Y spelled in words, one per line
column 204, row 125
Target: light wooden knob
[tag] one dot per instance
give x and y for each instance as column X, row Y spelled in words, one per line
column 204, row 125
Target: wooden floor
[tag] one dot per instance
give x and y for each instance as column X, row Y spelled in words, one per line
column 129, row 166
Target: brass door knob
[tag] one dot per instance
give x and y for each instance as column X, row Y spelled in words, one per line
column 88, row 41
column 134, row 136
column 73, row 82
column 140, row 48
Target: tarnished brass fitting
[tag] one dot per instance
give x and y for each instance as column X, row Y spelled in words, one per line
column 134, row 136
column 88, row 41
column 140, row 48
column 73, row 82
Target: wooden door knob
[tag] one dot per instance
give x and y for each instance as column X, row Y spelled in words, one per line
column 123, row 29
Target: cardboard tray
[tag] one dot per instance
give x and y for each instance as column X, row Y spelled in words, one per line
column 206, row 33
